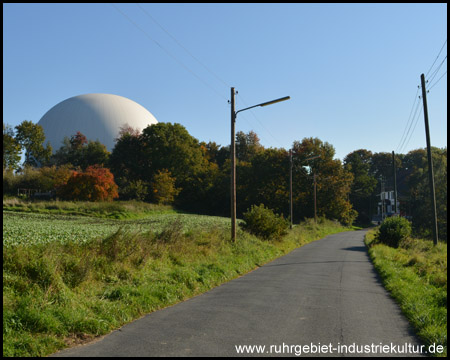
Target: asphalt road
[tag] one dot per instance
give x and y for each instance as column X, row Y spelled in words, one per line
column 321, row 299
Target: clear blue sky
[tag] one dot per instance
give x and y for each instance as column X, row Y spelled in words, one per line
column 351, row 70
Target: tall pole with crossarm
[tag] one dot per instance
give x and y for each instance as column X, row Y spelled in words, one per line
column 430, row 161
column 233, row 155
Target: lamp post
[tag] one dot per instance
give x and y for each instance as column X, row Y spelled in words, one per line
column 315, row 197
column 233, row 155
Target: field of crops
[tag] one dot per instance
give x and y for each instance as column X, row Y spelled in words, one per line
column 30, row 228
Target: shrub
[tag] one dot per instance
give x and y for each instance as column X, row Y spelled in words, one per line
column 393, row 230
column 262, row 222
column 94, row 184
column 164, row 190
column 135, row 189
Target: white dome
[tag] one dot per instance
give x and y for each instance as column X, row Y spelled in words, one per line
column 97, row 116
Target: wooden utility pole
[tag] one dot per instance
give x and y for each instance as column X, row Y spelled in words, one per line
column 233, row 154
column 233, row 168
column 315, row 199
column 395, row 182
column 290, row 186
column 430, row 163
column 382, row 198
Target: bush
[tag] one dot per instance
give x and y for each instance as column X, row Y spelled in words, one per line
column 262, row 222
column 94, row 184
column 133, row 190
column 393, row 230
column 164, row 190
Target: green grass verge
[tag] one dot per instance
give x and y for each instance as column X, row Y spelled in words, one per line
column 111, row 210
column 416, row 276
column 60, row 293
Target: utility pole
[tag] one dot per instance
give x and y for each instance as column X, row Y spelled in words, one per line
column 315, row 199
column 395, row 182
column 233, row 168
column 233, row 154
column 430, row 163
column 290, row 186
column 382, row 198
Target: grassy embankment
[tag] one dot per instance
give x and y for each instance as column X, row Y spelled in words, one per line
column 416, row 276
column 112, row 210
column 71, row 288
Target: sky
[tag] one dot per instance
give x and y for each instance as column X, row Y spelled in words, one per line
column 352, row 71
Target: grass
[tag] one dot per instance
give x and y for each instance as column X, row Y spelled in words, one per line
column 111, row 210
column 416, row 276
column 59, row 293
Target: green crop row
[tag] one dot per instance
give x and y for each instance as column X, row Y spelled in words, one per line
column 31, row 228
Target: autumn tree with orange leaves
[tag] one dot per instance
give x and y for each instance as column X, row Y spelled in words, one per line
column 93, row 184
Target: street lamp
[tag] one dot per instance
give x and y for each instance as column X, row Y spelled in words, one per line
column 233, row 155
column 315, row 197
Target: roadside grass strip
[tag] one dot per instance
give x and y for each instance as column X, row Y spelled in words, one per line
column 415, row 274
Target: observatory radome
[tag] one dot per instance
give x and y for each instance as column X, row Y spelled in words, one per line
column 97, row 116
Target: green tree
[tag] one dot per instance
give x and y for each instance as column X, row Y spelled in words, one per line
column 247, row 145
column 163, row 186
column 333, row 182
column 364, row 184
column 418, row 190
column 264, row 178
column 79, row 152
column 11, row 149
column 126, row 160
column 31, row 137
column 381, row 165
column 170, row 146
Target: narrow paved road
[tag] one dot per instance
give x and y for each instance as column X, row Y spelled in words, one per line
column 324, row 294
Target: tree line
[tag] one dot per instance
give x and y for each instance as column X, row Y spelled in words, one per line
column 165, row 164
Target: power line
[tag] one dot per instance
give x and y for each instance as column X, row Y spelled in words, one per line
column 437, row 70
column 168, row 53
column 403, row 142
column 183, row 47
column 208, row 69
column 414, row 128
column 432, row 86
column 273, row 137
column 407, row 122
column 436, row 58
column 184, row 66
column 401, row 147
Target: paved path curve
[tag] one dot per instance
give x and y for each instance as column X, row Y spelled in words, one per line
column 324, row 294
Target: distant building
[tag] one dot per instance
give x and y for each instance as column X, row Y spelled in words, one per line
column 386, row 206
column 96, row 116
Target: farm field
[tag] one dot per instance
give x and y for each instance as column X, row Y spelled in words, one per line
column 34, row 228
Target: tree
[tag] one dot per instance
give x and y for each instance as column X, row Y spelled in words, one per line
column 79, row 152
column 77, row 141
column 333, row 182
column 163, row 185
column 31, row 137
column 128, row 130
column 418, row 190
column 126, row 160
column 170, row 146
column 94, row 184
column 247, row 145
column 265, row 178
column 364, row 184
column 381, row 165
column 11, row 149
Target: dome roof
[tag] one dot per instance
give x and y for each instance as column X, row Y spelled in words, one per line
column 97, row 116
